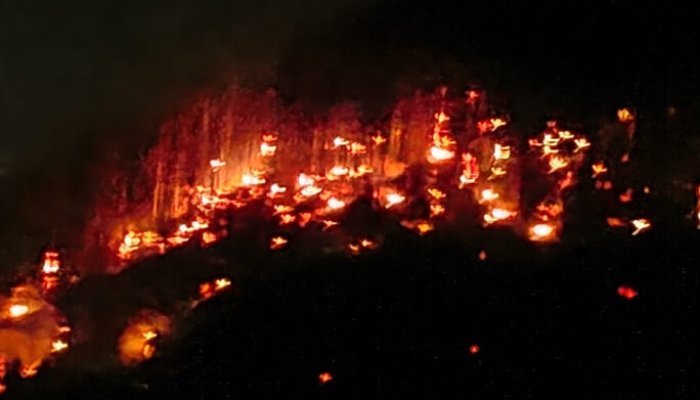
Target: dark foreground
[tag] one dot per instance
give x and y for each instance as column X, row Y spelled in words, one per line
column 399, row 322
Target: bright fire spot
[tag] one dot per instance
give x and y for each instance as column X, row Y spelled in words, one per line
column 310, row 191
column 501, row 152
column 325, row 377
column 51, row 263
column 498, row 214
column 473, row 349
column 286, row 219
column 566, row 135
column 378, row 139
column 304, row 219
column 276, row 189
column 599, row 168
column 438, row 154
column 328, row 224
column 640, row 225
column 550, row 141
column 58, row 346
column 305, row 180
column 581, row 143
column 282, row 209
column 252, row 180
column 437, row 194
column 340, row 141
column 357, row 148
column 216, row 163
column 497, row 171
column 626, row 196
column 18, row 310
column 267, row 149
column 625, row 115
column 278, row 242
column 488, row 195
column 335, row 204
column 393, row 199
column 627, row 292
column 338, row 171
column 556, row 163
column 221, row 284
column 482, row 255
column 421, row 226
column 209, row 238
column 542, row 232
column 28, row 371
column 436, row 210
column 136, row 343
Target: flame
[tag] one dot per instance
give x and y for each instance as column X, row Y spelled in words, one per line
column 286, row 219
column 437, row 194
column 615, row 222
column 222, row 283
column 216, row 163
column 565, row 135
column 335, row 204
column 340, row 141
column 282, row 209
column 276, row 189
column 278, row 242
column 18, row 310
column 439, row 154
column 626, row 196
column 581, row 143
column 393, row 199
column 421, row 226
column 304, row 218
column 488, row 195
column 58, row 346
column 599, row 168
column 51, row 263
column 378, row 140
column 624, row 115
column 361, row 170
column 137, row 341
column 328, row 224
column 305, row 180
column 556, row 163
column 640, row 225
column 325, row 377
column 208, row 238
column 498, row 215
column 357, row 148
column 501, row 152
column 542, row 232
column 436, row 210
column 338, row 171
column 267, row 150
column 627, row 292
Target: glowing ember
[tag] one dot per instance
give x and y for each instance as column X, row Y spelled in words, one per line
column 137, row 341
column 252, row 180
column 625, row 115
column 501, row 152
column 310, row 191
column 497, row 171
column 340, row 141
column 556, row 163
column 640, row 225
column 566, row 135
column 335, row 204
column 328, row 224
column 437, row 194
column 221, row 284
column 488, row 195
column 305, row 180
column 338, row 171
column 439, row 154
column 436, row 210
column 276, row 189
column 474, row 349
column 599, row 168
column 357, row 148
column 209, row 238
column 278, row 242
column 378, row 140
column 267, row 149
column 18, row 310
column 627, row 292
column 216, row 164
column 393, row 199
column 287, row 219
column 325, row 377
column 541, row 232
column 626, row 196
column 304, row 219
column 421, row 226
column 482, row 255
column 581, row 143
column 58, row 346
column 51, row 263
column 498, row 215
column 282, row 209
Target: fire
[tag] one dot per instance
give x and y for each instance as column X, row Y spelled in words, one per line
column 556, row 163
column 282, row 209
column 278, row 242
column 581, row 144
column 437, row 194
column 338, row 171
column 305, row 180
column 287, row 219
column 137, row 341
column 436, row 210
column 474, row 349
column 267, row 149
column 421, row 226
column 640, row 225
column 357, row 148
column 393, row 199
column 216, row 163
column 58, row 346
column 627, row 292
column 599, row 168
column 624, row 115
column 541, row 232
column 253, row 179
column 501, row 152
column 304, row 219
column 325, row 377
column 18, row 310
column 615, row 222
column 378, row 139
column 363, row 244
column 222, row 283
column 498, row 214
column 276, row 189
column 439, row 154
column 208, row 238
column 340, row 141
column 497, row 171
column 51, row 263
column 626, row 196
column 565, row 135
column 335, row 204
column 488, row 195
column 328, row 224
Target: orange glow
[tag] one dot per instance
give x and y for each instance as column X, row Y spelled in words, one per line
column 599, row 168
column 437, row 194
column 640, row 225
column 615, row 222
column 276, row 189
column 488, row 195
column 556, row 163
column 498, row 214
column 335, row 204
column 310, row 191
column 626, row 196
column 28, row 371
column 282, row 209
column 328, row 224
column 251, row 179
column 378, row 140
column 441, row 117
column 439, row 154
column 304, row 219
column 222, row 283
column 357, row 148
column 278, row 242
column 325, row 377
column 474, row 349
column 340, row 141
column 338, row 171
column 393, row 199
column 627, row 292
column 550, row 141
column 305, row 180
column 497, row 171
column 501, row 152
column 137, row 341
column 541, row 232
column 566, row 135
column 18, row 310
column 51, row 263
column 58, row 346
column 436, row 210
column 208, row 238
column 216, row 163
column 624, row 115
column 421, row 226
column 286, row 219
column 267, row 149
column 361, row 170
column 581, row 143
column 482, row 255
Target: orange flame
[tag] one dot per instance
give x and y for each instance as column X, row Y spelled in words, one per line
column 278, row 242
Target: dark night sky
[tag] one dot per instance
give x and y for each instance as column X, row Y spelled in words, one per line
column 75, row 72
